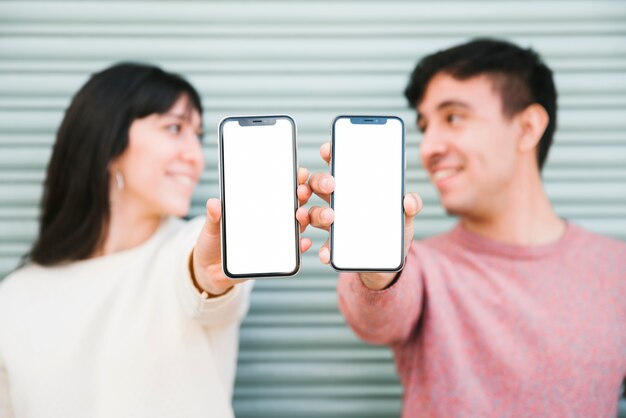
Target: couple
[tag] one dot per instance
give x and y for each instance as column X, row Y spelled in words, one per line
column 122, row 309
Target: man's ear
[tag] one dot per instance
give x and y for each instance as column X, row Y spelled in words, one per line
column 534, row 121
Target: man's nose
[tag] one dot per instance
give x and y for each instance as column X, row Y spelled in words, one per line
column 433, row 143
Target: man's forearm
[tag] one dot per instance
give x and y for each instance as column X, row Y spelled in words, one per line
column 386, row 315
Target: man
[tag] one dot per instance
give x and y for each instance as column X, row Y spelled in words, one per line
column 515, row 311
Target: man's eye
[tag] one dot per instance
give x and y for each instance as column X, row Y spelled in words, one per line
column 174, row 129
column 453, row 118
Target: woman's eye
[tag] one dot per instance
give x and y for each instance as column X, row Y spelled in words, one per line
column 174, row 129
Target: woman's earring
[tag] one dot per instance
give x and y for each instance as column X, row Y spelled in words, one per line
column 119, row 180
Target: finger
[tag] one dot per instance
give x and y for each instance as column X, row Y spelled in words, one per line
column 321, row 217
column 325, row 152
column 304, row 194
column 305, row 244
column 302, row 215
column 322, row 184
column 214, row 214
column 324, row 253
column 303, row 175
column 412, row 205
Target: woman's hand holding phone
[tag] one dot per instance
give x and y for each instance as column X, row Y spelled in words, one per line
column 207, row 254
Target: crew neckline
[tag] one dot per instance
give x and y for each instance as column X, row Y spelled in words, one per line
column 478, row 243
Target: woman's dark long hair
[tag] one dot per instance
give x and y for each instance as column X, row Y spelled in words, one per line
column 75, row 207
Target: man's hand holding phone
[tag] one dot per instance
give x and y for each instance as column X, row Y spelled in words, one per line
column 323, row 184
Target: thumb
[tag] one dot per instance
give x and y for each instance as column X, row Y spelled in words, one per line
column 208, row 246
column 412, row 206
column 214, row 215
column 207, row 255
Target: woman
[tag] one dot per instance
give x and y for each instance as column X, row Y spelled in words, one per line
column 122, row 309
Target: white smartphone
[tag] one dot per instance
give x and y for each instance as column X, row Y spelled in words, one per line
column 258, row 180
column 368, row 164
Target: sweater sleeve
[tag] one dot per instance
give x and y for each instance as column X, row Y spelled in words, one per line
column 386, row 316
column 6, row 408
column 228, row 308
column 6, row 405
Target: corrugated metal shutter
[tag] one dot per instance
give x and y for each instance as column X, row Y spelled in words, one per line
column 313, row 60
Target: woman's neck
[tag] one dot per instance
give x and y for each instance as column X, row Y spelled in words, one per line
column 127, row 229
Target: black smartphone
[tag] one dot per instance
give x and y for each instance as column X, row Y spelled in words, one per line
column 368, row 165
column 258, row 180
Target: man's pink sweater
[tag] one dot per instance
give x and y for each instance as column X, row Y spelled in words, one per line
column 485, row 329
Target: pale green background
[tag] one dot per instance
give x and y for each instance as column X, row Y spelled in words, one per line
column 313, row 60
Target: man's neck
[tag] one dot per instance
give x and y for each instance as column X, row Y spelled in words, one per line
column 527, row 217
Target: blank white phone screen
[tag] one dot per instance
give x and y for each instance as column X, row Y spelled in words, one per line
column 260, row 231
column 368, row 164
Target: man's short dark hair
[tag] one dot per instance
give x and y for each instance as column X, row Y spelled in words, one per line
column 519, row 74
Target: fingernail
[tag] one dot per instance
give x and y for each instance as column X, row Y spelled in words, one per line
column 327, row 184
column 327, row 215
column 416, row 201
column 324, row 254
column 324, row 183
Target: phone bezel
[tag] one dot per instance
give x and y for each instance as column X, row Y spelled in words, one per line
column 375, row 121
column 249, row 120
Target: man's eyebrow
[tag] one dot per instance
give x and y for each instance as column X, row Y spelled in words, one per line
column 445, row 104
column 453, row 103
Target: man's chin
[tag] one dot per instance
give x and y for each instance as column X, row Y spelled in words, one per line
column 456, row 213
column 452, row 212
column 453, row 209
column 461, row 211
